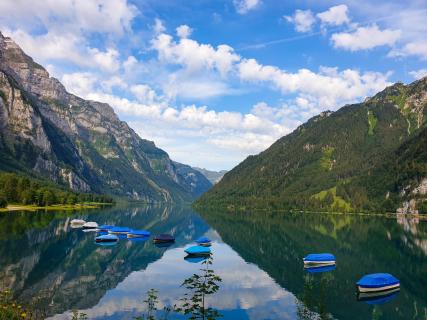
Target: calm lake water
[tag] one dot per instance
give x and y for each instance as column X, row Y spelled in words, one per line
column 257, row 256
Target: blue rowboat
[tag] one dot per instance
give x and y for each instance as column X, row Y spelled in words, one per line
column 319, row 259
column 377, row 282
column 195, row 259
column 198, row 251
column 138, row 234
column 164, row 238
column 105, row 227
column 320, row 269
column 203, row 241
column 107, row 238
column 119, row 230
column 378, row 297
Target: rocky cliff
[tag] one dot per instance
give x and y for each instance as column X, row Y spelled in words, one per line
column 80, row 143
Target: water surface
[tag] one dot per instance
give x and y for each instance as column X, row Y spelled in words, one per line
column 258, row 257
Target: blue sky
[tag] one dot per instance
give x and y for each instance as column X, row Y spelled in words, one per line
column 211, row 82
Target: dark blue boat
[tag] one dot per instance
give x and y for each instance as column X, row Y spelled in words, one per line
column 377, row 282
column 119, row 230
column 319, row 259
column 315, row 269
column 164, row 238
column 198, row 251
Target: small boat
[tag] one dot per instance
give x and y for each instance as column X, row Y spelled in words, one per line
column 320, row 259
column 105, row 228
column 107, row 238
column 90, row 225
column 319, row 268
column 78, row 222
column 377, row 282
column 204, row 241
column 138, row 234
column 198, row 251
column 378, row 297
column 119, row 230
column 164, row 238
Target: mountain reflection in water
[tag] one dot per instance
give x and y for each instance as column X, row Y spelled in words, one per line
column 257, row 256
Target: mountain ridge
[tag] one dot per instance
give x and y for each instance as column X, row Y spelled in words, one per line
column 328, row 162
column 77, row 142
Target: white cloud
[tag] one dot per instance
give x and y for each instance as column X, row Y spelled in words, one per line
column 158, row 26
column 184, row 31
column 302, row 19
column 195, row 56
column 418, row 74
column 329, row 87
column 335, row 16
column 415, row 48
column 244, row 6
column 365, row 38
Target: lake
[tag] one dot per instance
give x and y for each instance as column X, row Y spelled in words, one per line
column 256, row 256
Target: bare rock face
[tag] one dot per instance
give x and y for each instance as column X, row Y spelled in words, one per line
column 77, row 142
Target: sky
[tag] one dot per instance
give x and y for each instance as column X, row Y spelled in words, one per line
column 212, row 82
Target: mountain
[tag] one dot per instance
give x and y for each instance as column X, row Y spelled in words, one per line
column 212, row 176
column 83, row 144
column 369, row 156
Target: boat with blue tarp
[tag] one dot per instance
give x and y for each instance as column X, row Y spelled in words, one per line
column 204, row 241
column 198, row 251
column 319, row 259
column 377, row 282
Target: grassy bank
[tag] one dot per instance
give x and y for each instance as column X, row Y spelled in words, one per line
column 77, row 206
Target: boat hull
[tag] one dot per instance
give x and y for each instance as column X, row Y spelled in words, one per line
column 364, row 289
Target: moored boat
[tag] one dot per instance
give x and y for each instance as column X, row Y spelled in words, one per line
column 204, row 241
column 320, row 259
column 198, row 251
column 163, row 238
column 377, row 282
column 119, row 230
column 138, row 234
column 107, row 238
column 90, row 225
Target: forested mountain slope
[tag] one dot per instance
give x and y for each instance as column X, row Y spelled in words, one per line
column 83, row 144
column 364, row 157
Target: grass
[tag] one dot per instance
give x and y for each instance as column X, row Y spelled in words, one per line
column 78, row 206
column 338, row 201
column 372, row 121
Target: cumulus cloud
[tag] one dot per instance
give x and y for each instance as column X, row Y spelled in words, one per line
column 418, row 74
column 335, row 16
column 365, row 38
column 302, row 19
column 244, row 6
column 184, row 31
column 415, row 48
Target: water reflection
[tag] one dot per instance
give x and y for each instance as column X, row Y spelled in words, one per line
column 257, row 256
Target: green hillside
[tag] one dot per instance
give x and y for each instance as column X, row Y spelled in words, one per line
column 363, row 157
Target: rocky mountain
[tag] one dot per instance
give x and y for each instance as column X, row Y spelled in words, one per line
column 212, row 176
column 369, row 156
column 47, row 131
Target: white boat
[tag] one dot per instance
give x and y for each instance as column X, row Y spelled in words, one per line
column 90, row 225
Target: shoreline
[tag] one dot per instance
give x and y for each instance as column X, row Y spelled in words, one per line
column 79, row 206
